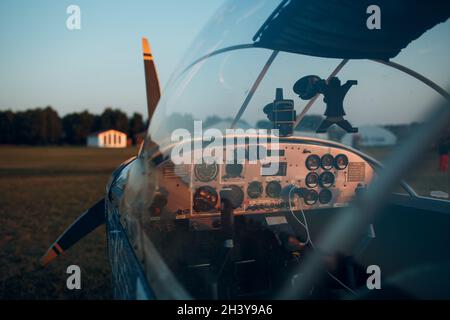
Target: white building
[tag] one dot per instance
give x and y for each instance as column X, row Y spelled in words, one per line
column 370, row 136
column 107, row 139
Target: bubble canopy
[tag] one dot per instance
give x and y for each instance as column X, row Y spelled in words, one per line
column 226, row 78
column 184, row 214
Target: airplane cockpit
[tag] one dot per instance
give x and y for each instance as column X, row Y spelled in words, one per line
column 250, row 211
column 253, row 183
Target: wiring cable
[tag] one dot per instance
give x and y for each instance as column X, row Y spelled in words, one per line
column 309, row 240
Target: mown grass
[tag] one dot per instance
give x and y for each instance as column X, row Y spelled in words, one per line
column 42, row 191
column 424, row 177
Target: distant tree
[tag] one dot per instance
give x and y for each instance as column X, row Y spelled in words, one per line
column 23, row 126
column 7, row 128
column 77, row 126
column 114, row 119
column 27, row 126
column 136, row 125
column 310, row 122
column 264, row 124
column 176, row 121
column 38, row 127
column 51, row 130
column 211, row 120
column 97, row 123
column 43, row 126
column 444, row 139
column 107, row 119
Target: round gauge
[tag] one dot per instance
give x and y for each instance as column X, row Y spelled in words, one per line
column 327, row 161
column 235, row 195
column 312, row 180
column 313, row 162
column 325, row 196
column 310, row 197
column 205, row 199
column 254, row 189
column 233, row 170
column 326, row 179
column 341, row 161
column 273, row 189
column 206, row 172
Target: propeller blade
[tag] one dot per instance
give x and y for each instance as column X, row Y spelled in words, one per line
column 151, row 79
column 85, row 224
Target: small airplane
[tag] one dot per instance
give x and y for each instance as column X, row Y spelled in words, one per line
column 232, row 231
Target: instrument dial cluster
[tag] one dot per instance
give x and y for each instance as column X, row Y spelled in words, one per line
column 236, row 195
column 254, row 189
column 324, row 170
column 206, row 172
column 312, row 162
column 328, row 177
column 205, row 199
column 312, row 180
column 327, row 161
column 273, row 189
column 233, row 170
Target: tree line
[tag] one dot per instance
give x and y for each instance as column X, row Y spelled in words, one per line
column 43, row 126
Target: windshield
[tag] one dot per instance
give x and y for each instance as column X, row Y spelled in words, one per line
column 225, row 89
column 334, row 119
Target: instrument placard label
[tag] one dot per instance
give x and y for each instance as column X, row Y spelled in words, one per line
column 356, row 171
column 273, row 221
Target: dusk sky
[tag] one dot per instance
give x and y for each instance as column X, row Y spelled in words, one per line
column 43, row 63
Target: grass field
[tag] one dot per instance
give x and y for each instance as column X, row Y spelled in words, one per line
column 425, row 177
column 43, row 190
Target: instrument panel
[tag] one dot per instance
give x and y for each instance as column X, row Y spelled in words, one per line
column 321, row 176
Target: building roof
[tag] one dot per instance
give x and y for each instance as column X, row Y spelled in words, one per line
column 96, row 133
